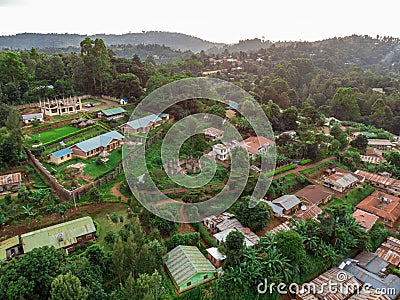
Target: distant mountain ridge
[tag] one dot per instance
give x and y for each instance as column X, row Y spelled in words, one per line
column 176, row 41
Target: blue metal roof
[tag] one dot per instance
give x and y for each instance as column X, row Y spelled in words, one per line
column 233, row 104
column 99, row 141
column 62, row 152
column 143, row 122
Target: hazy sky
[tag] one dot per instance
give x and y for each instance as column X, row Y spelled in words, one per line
column 214, row 20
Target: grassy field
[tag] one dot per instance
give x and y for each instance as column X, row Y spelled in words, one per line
column 94, row 170
column 106, row 224
column 87, row 135
column 52, row 134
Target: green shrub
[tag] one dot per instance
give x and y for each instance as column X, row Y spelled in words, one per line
column 188, row 239
column 114, row 218
column 281, row 170
column 97, row 225
column 121, row 219
column 110, row 237
column 305, row 161
column 204, row 234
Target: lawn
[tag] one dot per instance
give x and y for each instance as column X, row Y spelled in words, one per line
column 355, row 196
column 91, row 100
column 52, row 134
column 84, row 136
column 94, row 170
column 106, row 225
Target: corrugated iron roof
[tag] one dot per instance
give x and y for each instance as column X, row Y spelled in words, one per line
column 99, row 141
column 281, row 227
column 58, row 236
column 183, row 262
column 287, row 201
column 278, row 210
column 113, row 111
column 143, row 122
column 384, row 180
column 28, row 117
column 62, row 152
column 214, row 132
column 325, row 280
column 379, row 142
column 10, row 178
column 371, row 294
column 311, row 212
column 390, row 251
column 234, row 224
column 214, row 252
column 375, row 281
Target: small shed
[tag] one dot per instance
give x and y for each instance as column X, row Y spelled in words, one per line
column 61, row 156
column 215, row 256
column 188, row 268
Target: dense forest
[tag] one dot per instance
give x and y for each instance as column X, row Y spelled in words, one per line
column 354, row 79
column 177, row 41
column 338, row 79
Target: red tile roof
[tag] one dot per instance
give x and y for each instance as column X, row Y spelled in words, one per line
column 254, row 143
column 310, row 213
column 365, row 219
column 314, row 194
column 385, row 209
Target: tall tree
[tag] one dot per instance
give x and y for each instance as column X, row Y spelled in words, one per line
column 12, row 69
column 30, row 276
column 67, row 287
column 381, row 115
column 344, row 105
column 97, row 62
column 234, row 249
column 118, row 259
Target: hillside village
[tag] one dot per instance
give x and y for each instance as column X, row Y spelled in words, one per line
column 333, row 206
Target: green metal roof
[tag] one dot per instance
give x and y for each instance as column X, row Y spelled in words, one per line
column 183, row 262
column 113, row 111
column 4, row 245
column 58, row 236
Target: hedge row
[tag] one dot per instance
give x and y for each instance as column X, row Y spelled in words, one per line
column 305, row 161
column 204, row 234
column 188, row 239
column 59, row 139
column 281, row 170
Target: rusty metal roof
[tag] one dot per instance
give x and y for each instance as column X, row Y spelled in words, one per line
column 375, row 178
column 371, row 294
column 183, row 262
column 10, row 178
column 332, row 276
column 389, row 253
